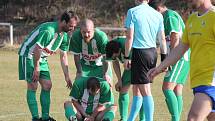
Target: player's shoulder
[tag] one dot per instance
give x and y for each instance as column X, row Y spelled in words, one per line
column 99, row 32
column 119, row 38
column 81, row 80
column 76, row 34
column 49, row 27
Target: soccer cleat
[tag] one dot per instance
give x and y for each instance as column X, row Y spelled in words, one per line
column 50, row 119
column 73, row 119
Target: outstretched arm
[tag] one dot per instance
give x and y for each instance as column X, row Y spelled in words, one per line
column 64, row 65
column 77, row 65
column 174, row 56
column 116, row 67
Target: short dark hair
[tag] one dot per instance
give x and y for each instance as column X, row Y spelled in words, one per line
column 155, row 3
column 111, row 48
column 93, row 84
column 67, row 15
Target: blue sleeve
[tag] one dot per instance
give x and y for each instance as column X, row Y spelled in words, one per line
column 129, row 22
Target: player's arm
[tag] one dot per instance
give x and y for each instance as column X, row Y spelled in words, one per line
column 64, row 66
column 77, row 60
column 75, row 49
column 173, row 57
column 36, row 56
column 128, row 44
column 106, row 65
column 174, row 39
column 79, row 108
column 116, row 67
column 117, row 70
column 96, row 111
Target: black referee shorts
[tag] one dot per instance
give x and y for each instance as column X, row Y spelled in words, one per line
column 142, row 61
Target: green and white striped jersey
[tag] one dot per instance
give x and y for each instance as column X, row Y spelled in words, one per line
column 47, row 37
column 91, row 53
column 89, row 102
column 174, row 23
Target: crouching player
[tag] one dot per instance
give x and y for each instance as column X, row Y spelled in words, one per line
column 92, row 100
column 115, row 51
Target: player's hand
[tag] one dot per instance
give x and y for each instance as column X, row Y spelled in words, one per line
column 36, row 75
column 118, row 86
column 78, row 75
column 127, row 64
column 152, row 73
column 68, row 82
column 90, row 118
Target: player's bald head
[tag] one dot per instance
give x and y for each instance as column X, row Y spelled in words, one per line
column 87, row 29
column 86, row 23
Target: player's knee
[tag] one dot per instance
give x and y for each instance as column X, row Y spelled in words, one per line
column 47, row 85
column 32, row 86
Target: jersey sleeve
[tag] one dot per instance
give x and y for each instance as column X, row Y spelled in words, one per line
column 172, row 25
column 104, row 41
column 65, row 43
column 77, row 90
column 75, row 43
column 43, row 38
column 129, row 22
column 106, row 94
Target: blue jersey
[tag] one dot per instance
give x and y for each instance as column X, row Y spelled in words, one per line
column 147, row 23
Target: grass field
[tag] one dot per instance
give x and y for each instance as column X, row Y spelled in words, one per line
column 13, row 106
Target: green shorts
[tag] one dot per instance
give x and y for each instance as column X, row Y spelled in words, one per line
column 26, row 69
column 96, row 71
column 179, row 72
column 126, row 77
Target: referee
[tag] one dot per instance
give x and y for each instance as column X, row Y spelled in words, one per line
column 144, row 26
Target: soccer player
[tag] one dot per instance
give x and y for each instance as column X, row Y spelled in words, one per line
column 42, row 42
column 92, row 100
column 115, row 51
column 199, row 37
column 144, row 26
column 88, row 46
column 176, row 76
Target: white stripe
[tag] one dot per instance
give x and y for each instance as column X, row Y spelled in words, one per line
column 98, row 61
column 29, row 41
column 74, row 53
column 173, row 72
column 85, row 51
column 96, row 101
column 84, row 99
column 31, row 51
column 179, row 71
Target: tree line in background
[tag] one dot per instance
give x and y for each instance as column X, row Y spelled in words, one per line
column 26, row 14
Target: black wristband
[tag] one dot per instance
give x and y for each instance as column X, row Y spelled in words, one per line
column 163, row 56
column 126, row 57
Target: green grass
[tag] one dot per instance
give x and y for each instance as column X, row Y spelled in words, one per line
column 13, row 106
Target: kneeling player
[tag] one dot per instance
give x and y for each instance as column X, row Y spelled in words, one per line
column 92, row 99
